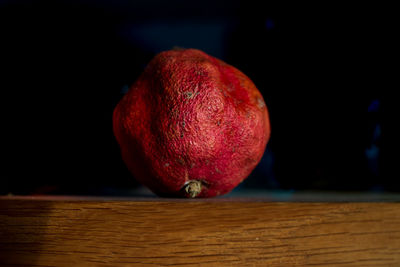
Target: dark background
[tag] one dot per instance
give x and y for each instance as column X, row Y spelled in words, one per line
column 66, row 64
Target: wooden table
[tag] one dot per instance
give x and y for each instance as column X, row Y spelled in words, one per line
column 79, row 231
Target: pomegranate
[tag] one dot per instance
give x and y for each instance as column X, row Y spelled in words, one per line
column 191, row 125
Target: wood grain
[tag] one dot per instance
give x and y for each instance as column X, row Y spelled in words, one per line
column 198, row 233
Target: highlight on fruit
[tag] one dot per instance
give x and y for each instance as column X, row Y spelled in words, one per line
column 191, row 125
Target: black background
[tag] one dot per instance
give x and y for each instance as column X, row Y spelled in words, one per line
column 66, row 64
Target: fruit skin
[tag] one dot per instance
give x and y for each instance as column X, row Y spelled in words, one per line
column 191, row 118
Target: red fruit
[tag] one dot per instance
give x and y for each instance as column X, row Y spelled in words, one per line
column 191, row 125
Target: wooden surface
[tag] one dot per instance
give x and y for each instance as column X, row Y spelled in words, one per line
column 197, row 233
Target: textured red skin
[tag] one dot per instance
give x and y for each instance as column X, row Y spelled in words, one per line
column 190, row 116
